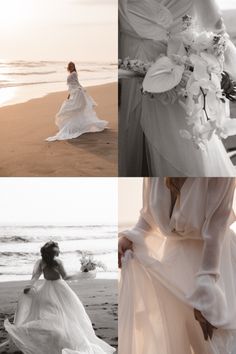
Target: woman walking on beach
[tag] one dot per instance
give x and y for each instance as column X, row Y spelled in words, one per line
column 50, row 317
column 77, row 115
column 178, row 285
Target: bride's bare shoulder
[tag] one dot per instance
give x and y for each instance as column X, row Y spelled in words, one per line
column 58, row 261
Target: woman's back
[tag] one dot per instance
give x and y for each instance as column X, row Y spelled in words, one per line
column 52, row 272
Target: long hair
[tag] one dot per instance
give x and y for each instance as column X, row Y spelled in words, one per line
column 48, row 252
column 174, row 184
column 72, row 63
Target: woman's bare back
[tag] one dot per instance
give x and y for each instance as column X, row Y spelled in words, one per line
column 55, row 272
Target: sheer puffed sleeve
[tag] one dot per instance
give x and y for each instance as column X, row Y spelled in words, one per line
column 145, row 223
column 208, row 297
column 210, row 18
column 37, row 271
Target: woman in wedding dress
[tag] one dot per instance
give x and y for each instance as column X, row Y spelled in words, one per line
column 50, row 317
column 178, row 285
column 148, row 128
column 77, row 115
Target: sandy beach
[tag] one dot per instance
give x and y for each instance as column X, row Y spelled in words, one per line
column 98, row 296
column 25, row 126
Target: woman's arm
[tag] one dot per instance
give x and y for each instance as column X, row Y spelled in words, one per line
column 210, row 17
column 207, row 296
column 37, row 271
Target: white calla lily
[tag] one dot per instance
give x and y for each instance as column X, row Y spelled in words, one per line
column 163, row 76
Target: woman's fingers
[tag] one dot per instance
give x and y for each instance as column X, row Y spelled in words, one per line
column 119, row 260
column 204, row 330
column 210, row 330
column 120, row 254
column 207, row 327
column 123, row 245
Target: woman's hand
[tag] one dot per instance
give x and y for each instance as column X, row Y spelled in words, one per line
column 123, row 245
column 27, row 289
column 206, row 327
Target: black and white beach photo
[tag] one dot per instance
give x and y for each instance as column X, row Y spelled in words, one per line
column 58, row 269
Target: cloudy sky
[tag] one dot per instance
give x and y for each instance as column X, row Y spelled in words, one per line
column 67, row 201
column 85, row 30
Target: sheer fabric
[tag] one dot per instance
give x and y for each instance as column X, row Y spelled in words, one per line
column 147, row 30
column 77, row 115
column 51, row 319
column 180, row 262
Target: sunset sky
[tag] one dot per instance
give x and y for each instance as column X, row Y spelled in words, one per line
column 85, row 30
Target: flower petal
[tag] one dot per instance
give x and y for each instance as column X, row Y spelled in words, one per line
column 163, row 76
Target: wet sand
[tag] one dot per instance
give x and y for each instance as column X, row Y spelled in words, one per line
column 25, row 126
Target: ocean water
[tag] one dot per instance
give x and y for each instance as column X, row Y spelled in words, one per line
column 21, row 80
column 20, row 248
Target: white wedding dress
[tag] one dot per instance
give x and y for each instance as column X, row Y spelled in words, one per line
column 51, row 319
column 77, row 115
column 147, row 27
column 179, row 262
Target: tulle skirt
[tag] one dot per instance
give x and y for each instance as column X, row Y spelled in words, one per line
column 51, row 319
column 77, row 116
column 155, row 316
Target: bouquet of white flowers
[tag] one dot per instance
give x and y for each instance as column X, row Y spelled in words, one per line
column 192, row 73
column 88, row 263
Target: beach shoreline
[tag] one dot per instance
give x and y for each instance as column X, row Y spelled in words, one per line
column 98, row 296
column 57, row 87
column 25, row 126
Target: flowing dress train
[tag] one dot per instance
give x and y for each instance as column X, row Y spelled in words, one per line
column 51, row 319
column 77, row 115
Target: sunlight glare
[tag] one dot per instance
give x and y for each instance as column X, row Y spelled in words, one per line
column 14, row 14
column 6, row 94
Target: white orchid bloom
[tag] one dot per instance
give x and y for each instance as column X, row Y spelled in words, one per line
column 213, row 64
column 189, row 36
column 203, row 41
column 193, row 110
column 226, row 128
column 200, row 67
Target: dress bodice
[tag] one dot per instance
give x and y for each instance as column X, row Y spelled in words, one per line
column 193, row 215
column 72, row 81
column 153, row 19
column 146, row 26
